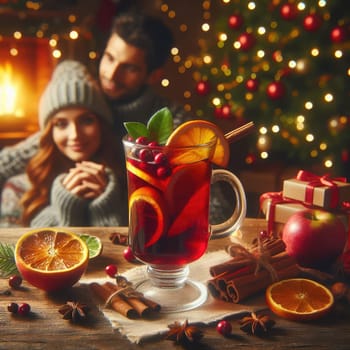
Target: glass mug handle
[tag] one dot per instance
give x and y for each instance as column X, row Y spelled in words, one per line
column 234, row 222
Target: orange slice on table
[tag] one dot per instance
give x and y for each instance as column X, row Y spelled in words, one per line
column 51, row 259
column 299, row 299
column 198, row 132
column 147, row 215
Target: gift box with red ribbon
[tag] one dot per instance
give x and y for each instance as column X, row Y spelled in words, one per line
column 278, row 209
column 320, row 191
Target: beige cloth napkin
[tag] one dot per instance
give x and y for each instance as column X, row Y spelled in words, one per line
column 212, row 310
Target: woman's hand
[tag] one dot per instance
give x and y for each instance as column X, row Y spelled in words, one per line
column 87, row 180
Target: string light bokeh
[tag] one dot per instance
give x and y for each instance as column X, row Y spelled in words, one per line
column 283, row 64
column 65, row 29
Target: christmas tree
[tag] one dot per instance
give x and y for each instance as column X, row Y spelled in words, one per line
column 284, row 65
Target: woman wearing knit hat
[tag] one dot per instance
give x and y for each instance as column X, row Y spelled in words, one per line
column 74, row 176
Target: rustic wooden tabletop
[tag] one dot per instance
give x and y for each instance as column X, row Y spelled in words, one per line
column 45, row 328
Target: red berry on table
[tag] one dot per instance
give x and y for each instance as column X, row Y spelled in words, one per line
column 264, row 234
column 128, row 254
column 15, row 281
column 23, row 309
column 12, row 307
column 224, row 328
column 111, row 270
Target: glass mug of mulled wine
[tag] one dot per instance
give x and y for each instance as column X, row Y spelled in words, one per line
column 169, row 200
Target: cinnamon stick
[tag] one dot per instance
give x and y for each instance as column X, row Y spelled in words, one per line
column 138, row 303
column 218, row 284
column 238, row 133
column 117, row 303
column 228, row 266
column 155, row 307
column 245, row 286
column 271, row 248
column 241, row 277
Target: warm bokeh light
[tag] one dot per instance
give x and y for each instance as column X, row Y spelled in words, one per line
column 13, row 51
column 56, row 53
column 73, row 34
column 165, row 82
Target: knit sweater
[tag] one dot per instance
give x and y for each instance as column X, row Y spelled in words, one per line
column 67, row 209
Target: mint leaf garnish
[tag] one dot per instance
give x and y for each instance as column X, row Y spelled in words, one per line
column 136, row 129
column 160, row 125
column 158, row 128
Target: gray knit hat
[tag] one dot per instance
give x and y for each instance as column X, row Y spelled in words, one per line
column 72, row 85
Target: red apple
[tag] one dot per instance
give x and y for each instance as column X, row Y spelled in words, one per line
column 315, row 238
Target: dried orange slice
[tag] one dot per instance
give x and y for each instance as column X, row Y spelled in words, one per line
column 51, row 259
column 199, row 132
column 147, row 215
column 299, row 299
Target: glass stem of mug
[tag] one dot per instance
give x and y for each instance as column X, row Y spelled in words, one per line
column 173, row 278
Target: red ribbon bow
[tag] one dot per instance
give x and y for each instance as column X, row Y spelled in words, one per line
column 316, row 181
column 276, row 198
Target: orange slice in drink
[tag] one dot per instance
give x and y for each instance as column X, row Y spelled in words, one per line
column 51, row 259
column 194, row 208
column 147, row 215
column 184, row 182
column 299, row 299
column 156, row 182
column 199, row 132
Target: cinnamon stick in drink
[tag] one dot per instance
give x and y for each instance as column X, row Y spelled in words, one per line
column 117, row 303
column 238, row 133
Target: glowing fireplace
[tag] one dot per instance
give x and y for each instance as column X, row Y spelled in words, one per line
column 25, row 68
column 9, row 88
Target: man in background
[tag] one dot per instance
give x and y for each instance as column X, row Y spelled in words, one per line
column 132, row 61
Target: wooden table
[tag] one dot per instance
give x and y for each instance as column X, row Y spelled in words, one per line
column 45, row 329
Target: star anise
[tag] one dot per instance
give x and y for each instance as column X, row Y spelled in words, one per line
column 74, row 311
column 256, row 324
column 118, row 238
column 183, row 333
